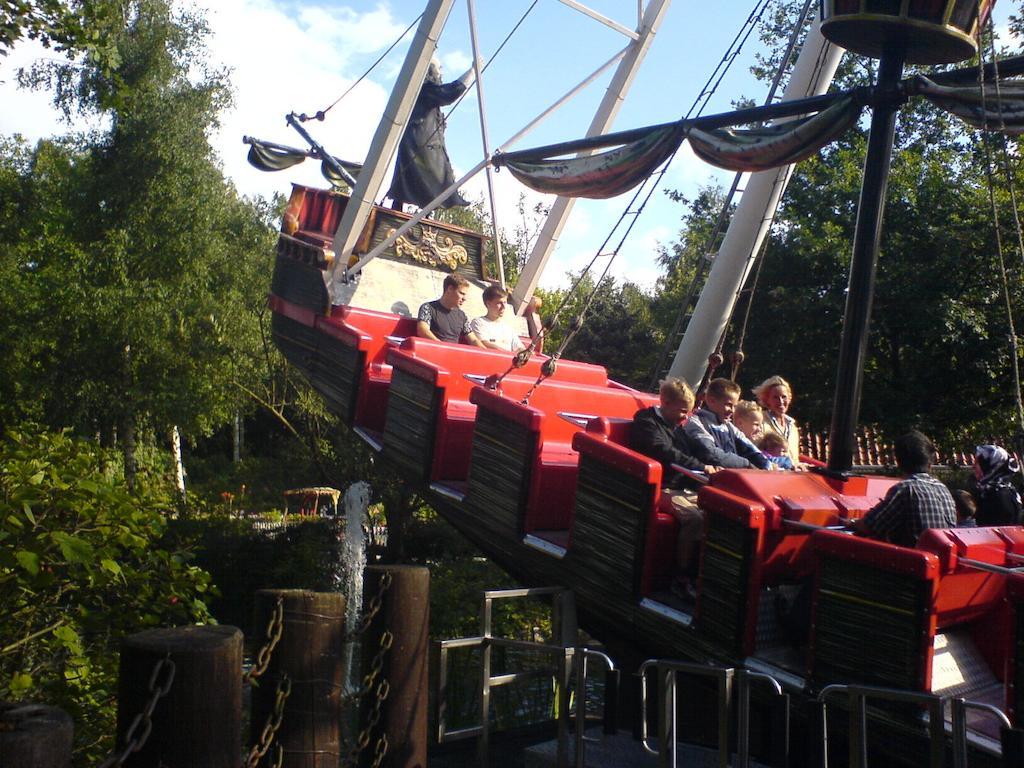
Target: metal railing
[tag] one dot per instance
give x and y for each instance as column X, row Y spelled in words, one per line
column 933, row 704
column 728, row 681
column 582, row 655
column 562, row 653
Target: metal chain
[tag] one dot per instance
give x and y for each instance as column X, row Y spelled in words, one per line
column 262, row 746
column 273, row 635
column 142, row 725
column 372, row 609
column 381, row 692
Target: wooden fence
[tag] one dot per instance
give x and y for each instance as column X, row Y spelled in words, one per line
column 875, row 450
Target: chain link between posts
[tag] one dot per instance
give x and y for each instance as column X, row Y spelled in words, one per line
column 373, row 682
column 142, row 725
column 275, row 627
column 270, row 728
column 372, row 608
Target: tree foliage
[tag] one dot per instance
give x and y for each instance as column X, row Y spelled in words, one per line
column 138, row 268
column 81, row 567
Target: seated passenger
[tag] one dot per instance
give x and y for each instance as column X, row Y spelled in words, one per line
column 442, row 320
column 774, row 446
column 492, row 331
column 775, row 396
column 913, row 505
column 714, row 439
column 966, row 509
column 749, row 419
column 656, row 433
column 998, row 500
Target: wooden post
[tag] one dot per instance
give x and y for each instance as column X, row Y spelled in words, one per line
column 34, row 736
column 309, row 652
column 405, row 612
column 199, row 721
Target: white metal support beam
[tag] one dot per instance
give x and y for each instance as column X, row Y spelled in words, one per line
column 389, row 132
column 812, row 74
column 611, row 23
column 603, row 119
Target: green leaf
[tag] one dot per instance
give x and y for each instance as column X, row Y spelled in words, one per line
column 27, row 509
column 20, row 682
column 37, row 478
column 111, row 566
column 28, row 560
column 74, row 549
column 68, row 638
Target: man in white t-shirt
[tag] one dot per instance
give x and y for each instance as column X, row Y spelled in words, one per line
column 490, row 329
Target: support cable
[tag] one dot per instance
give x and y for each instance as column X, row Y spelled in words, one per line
column 989, row 175
column 320, row 114
column 704, row 254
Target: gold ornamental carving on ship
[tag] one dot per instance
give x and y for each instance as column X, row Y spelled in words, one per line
column 431, row 249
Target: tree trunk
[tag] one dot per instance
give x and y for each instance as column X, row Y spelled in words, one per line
column 128, row 423
column 179, row 465
column 236, row 440
column 128, row 448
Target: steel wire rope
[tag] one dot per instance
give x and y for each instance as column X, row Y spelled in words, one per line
column 490, row 60
column 730, row 196
column 320, row 114
column 698, row 106
column 782, row 177
column 990, row 178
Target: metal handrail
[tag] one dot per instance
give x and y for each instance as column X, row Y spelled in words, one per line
column 667, row 669
column 580, row 658
column 744, row 677
column 959, row 708
column 857, row 696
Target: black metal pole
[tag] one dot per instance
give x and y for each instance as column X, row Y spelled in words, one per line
column 857, row 318
column 319, row 151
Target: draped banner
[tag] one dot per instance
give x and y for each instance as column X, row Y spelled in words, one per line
column 276, row 157
column 614, row 171
column 598, row 176
column 999, row 108
column 760, row 149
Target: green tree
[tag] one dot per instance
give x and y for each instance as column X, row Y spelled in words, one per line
column 82, row 565
column 144, row 289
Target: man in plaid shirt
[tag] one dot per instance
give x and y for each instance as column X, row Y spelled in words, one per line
column 914, row 504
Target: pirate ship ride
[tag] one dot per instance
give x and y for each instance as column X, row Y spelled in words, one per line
column 529, row 457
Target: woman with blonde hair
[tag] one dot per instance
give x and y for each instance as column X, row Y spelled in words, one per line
column 775, row 396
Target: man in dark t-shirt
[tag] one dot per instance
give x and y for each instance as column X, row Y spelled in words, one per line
column 442, row 320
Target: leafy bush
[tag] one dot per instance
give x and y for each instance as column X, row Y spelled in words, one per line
column 303, row 555
column 80, row 568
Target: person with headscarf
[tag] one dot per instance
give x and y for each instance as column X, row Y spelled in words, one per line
column 999, row 503
column 423, row 169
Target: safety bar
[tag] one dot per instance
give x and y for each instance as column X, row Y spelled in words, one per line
column 579, row 419
column 610, row 695
column 811, row 526
column 959, row 712
column 990, row 567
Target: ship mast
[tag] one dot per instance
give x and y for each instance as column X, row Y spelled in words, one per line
column 812, row 75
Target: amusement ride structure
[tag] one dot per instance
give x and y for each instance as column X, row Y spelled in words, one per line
column 528, row 456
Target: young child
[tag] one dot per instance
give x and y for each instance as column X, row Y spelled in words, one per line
column 776, row 448
column 749, row 418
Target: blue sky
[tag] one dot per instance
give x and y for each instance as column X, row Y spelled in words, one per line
column 288, row 56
